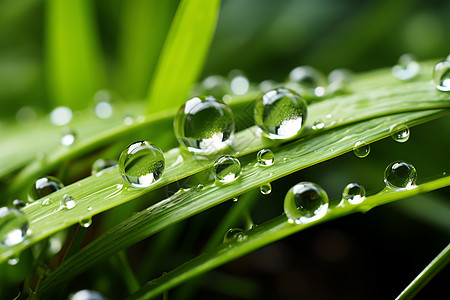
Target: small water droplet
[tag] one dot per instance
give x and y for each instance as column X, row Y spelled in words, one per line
column 235, row 199
column 227, row 169
column 227, row 99
column 305, row 202
column 361, row 149
column 67, row 201
column 103, row 110
column 407, row 67
column 17, row 203
column 239, row 85
column 234, row 234
column 128, row 120
column 354, row 193
column 13, row 226
column 400, row 175
column 68, row 137
column 13, row 260
column 204, row 125
column 101, row 165
column 46, row 202
column 61, row 116
column 86, row 295
column 318, row 125
column 141, row 164
column 441, row 75
column 44, row 186
column 265, row 157
column 280, row 113
column 265, row 189
column 399, row 132
column 85, row 222
column 89, row 208
column 308, row 80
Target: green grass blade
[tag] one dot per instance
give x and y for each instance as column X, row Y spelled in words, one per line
column 436, row 265
column 271, row 231
column 75, row 70
column 293, row 157
column 183, row 54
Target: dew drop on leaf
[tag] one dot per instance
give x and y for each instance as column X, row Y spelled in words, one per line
column 67, row 201
column 86, row 222
column 265, row 189
column 234, row 234
column 354, row 193
column 361, row 149
column 13, row 226
column 86, row 295
column 407, row 67
column 265, row 157
column 68, row 137
column 44, row 186
column 101, row 165
column 400, row 175
column 400, row 133
column 226, row 169
column 441, row 75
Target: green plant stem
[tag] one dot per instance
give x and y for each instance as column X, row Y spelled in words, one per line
column 123, row 267
column 436, row 265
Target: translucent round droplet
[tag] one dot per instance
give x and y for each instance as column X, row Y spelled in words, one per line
column 318, row 125
column 354, row 193
column 13, row 260
column 141, row 164
column 400, row 175
column 13, row 226
column 265, row 189
column 17, row 203
column 407, row 67
column 101, row 165
column 44, row 186
column 309, row 81
column 61, row 116
column 400, row 133
column 86, row 222
column 68, row 202
column 46, row 202
column 226, row 168
column 234, row 234
column 204, row 125
column 361, row 149
column 280, row 113
column 214, row 85
column 441, row 75
column 239, row 85
column 235, row 199
column 86, row 295
column 68, row 137
column 103, row 110
column 305, row 202
column 265, row 157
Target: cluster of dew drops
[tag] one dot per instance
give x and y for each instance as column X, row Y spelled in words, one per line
column 204, row 125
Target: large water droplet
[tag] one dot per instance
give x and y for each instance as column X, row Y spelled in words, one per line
column 361, row 149
column 318, row 125
column 400, row 175
column 308, row 80
column 441, row 75
column 280, row 113
column 141, row 164
column 305, row 202
column 265, row 189
column 101, row 165
column 68, row 137
column 86, row 295
column 407, row 67
column 399, row 132
column 67, row 201
column 354, row 193
column 13, row 226
column 234, row 234
column 44, row 186
column 86, row 222
column 61, row 115
column 227, row 168
column 204, row 125
column 265, row 157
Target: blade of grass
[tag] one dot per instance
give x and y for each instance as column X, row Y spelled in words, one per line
column 436, row 265
column 274, row 230
column 75, row 70
column 296, row 156
column 183, row 54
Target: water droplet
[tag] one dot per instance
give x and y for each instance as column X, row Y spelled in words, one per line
column 399, row 132
column 89, row 208
column 128, row 120
column 13, row 226
column 13, row 260
column 318, row 125
column 265, row 189
column 85, row 222
column 44, row 186
column 214, row 85
column 17, row 203
column 101, row 165
column 339, row 80
column 305, row 202
column 86, row 295
column 267, row 85
column 204, row 125
column 235, row 199
column 361, row 149
column 407, row 67
column 67, row 201
column 46, row 202
column 103, row 110
column 226, row 169
column 265, row 157
column 441, row 75
column 234, row 234
column 239, row 85
column 141, row 164
column 400, row 175
column 280, row 113
column 308, row 81
column 354, row 193
column 61, row 116
column 68, row 137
